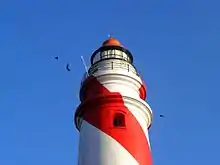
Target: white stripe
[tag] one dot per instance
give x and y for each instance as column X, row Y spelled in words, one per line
column 125, row 84
column 97, row 148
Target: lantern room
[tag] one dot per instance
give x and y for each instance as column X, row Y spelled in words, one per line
column 111, row 49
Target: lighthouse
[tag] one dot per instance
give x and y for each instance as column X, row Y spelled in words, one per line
column 113, row 117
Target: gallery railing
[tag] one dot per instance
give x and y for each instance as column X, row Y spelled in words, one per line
column 116, row 65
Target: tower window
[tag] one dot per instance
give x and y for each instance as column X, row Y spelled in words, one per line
column 119, row 120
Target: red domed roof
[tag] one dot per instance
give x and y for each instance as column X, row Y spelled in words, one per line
column 111, row 42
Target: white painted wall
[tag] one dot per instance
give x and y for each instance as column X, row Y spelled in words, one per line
column 97, row 148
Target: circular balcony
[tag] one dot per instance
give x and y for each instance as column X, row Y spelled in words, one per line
column 107, row 65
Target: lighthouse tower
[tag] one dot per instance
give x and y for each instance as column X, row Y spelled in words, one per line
column 113, row 118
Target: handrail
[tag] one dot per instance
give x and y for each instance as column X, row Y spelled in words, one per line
column 110, row 66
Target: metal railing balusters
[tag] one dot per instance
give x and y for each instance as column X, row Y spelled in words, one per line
column 110, row 65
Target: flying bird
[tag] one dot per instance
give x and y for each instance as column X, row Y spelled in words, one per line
column 56, row 58
column 161, row 116
column 68, row 67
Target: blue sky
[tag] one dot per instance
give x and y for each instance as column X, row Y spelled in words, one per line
column 175, row 45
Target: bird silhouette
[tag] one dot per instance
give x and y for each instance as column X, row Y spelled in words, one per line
column 68, row 67
column 56, row 57
column 161, row 116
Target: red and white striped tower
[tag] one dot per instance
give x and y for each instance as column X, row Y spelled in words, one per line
column 113, row 119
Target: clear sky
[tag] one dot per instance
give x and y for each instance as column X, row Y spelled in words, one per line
column 175, row 45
